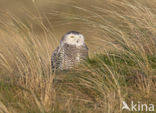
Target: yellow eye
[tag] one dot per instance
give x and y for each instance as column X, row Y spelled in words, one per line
column 71, row 36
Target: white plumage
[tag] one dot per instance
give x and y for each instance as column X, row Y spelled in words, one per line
column 71, row 51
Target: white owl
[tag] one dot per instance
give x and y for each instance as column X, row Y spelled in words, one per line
column 71, row 51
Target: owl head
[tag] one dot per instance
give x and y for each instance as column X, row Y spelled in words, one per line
column 73, row 38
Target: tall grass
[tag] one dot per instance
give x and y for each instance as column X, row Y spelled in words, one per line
column 123, row 68
column 25, row 64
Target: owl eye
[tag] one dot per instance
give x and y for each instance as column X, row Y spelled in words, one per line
column 71, row 36
column 80, row 36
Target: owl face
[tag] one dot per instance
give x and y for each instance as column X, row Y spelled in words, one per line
column 73, row 38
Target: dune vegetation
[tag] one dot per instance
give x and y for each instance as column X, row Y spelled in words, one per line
column 120, row 34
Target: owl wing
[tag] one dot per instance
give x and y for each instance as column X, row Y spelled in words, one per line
column 84, row 51
column 55, row 59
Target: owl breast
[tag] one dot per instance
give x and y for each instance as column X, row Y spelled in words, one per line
column 72, row 55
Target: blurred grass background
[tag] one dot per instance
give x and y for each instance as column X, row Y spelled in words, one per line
column 120, row 34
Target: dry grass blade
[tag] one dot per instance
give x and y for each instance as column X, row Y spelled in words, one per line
column 40, row 107
column 3, row 108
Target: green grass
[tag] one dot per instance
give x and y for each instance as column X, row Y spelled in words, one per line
column 92, row 87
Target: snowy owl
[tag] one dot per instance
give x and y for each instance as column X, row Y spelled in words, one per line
column 71, row 51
